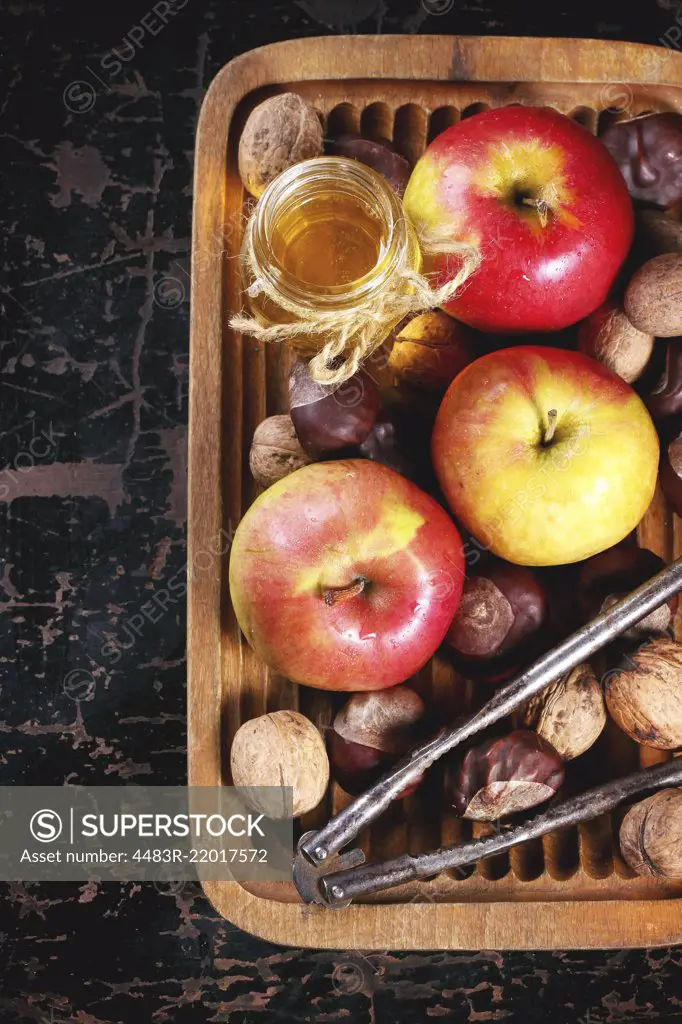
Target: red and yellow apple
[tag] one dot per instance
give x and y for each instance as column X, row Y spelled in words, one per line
column 541, row 199
column 346, row 576
column 545, row 455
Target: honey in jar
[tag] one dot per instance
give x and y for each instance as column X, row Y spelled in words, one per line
column 327, row 235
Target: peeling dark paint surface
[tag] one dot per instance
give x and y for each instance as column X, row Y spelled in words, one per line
column 98, row 104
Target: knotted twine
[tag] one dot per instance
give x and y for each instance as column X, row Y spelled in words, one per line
column 355, row 334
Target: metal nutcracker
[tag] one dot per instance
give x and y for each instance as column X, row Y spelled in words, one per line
column 325, row 876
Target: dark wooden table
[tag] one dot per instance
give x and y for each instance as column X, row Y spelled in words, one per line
column 98, row 108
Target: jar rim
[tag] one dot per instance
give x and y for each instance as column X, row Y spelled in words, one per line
column 367, row 185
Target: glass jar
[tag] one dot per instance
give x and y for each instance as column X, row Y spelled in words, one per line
column 328, row 236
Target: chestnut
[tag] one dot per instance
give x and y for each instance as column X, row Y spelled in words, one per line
column 608, row 576
column 648, row 150
column 328, row 419
column 665, row 398
column 401, row 436
column 658, row 232
column 502, row 606
column 383, row 445
column 378, row 153
column 504, row 776
column 371, row 732
column 671, row 468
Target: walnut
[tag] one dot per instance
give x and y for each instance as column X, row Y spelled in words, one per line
column 651, row 835
column 608, row 336
column 280, row 132
column 645, row 697
column 652, row 298
column 570, row 713
column 275, row 450
column 279, row 750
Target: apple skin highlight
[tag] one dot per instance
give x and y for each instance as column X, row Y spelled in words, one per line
column 544, row 455
column 346, row 576
column 544, row 202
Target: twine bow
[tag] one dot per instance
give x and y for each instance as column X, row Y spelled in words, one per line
column 354, row 335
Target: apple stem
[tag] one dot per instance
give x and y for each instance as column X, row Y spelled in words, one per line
column 541, row 205
column 551, row 426
column 332, row 595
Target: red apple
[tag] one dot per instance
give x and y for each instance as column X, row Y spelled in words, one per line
column 543, row 201
column 545, row 455
column 345, row 575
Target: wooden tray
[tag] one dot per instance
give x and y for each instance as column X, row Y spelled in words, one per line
column 572, row 890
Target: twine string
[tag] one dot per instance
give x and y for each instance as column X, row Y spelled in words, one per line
column 354, row 335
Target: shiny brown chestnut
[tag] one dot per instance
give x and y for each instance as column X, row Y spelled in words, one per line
column 401, row 436
column 505, row 776
column 328, row 419
column 608, row 576
column 502, row 606
column 371, row 732
column 378, row 153
column 648, row 150
column 383, row 445
column 658, row 232
column 665, row 397
column 670, row 472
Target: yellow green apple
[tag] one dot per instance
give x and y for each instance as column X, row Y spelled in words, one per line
column 545, row 455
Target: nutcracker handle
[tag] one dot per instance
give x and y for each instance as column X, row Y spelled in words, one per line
column 343, row 886
column 318, row 847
